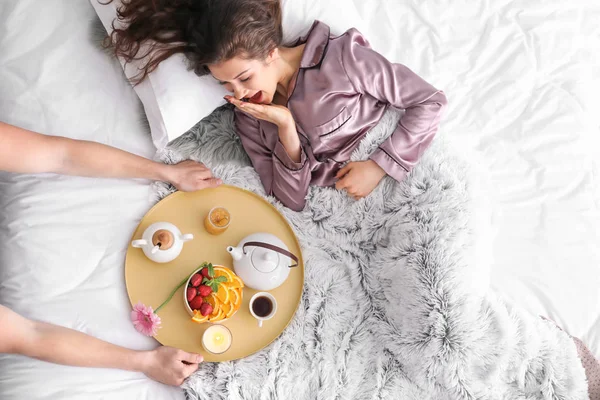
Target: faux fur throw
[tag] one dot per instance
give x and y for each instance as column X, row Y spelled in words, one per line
column 396, row 302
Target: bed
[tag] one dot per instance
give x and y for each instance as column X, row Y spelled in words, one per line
column 522, row 81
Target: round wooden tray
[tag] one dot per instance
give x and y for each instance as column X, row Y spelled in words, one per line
column 151, row 283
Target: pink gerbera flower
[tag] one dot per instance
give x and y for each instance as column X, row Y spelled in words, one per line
column 145, row 320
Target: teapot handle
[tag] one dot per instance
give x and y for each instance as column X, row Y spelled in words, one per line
column 139, row 243
column 187, row 236
column 274, row 248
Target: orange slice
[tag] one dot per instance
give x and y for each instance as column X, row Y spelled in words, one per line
column 213, row 300
column 226, row 272
column 199, row 318
column 215, row 312
column 223, row 294
column 214, row 318
column 226, row 308
column 231, row 311
column 236, row 297
column 235, row 283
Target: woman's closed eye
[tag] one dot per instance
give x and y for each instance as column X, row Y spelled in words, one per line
column 241, row 80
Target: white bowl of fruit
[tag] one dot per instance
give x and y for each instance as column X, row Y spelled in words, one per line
column 213, row 294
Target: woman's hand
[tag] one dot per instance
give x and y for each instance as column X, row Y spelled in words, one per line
column 276, row 114
column 359, row 178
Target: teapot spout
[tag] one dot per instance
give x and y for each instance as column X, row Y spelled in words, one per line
column 236, row 252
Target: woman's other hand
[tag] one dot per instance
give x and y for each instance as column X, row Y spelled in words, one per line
column 359, row 178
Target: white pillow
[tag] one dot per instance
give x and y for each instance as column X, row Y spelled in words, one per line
column 175, row 99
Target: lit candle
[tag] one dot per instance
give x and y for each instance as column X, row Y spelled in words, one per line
column 216, row 339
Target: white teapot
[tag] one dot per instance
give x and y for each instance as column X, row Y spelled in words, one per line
column 262, row 261
column 162, row 242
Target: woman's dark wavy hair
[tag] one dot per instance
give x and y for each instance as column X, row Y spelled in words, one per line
column 205, row 31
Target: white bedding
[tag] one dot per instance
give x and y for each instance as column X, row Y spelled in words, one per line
column 64, row 238
column 522, row 78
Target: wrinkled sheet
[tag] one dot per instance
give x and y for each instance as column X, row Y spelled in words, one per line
column 63, row 239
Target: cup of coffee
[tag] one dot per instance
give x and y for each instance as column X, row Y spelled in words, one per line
column 263, row 306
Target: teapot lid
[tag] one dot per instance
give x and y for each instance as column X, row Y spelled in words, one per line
column 265, row 260
column 163, row 238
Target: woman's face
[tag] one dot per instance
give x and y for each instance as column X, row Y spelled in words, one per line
column 253, row 80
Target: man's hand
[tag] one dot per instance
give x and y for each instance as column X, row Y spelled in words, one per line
column 188, row 176
column 169, row 365
column 359, row 178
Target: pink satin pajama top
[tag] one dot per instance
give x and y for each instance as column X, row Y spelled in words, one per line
column 341, row 90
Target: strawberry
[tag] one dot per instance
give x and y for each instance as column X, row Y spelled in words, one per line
column 191, row 293
column 206, row 309
column 196, row 280
column 205, row 273
column 196, row 303
column 204, row 290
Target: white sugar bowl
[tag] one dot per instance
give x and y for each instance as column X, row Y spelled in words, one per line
column 162, row 242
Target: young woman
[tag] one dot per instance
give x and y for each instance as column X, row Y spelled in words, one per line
column 301, row 109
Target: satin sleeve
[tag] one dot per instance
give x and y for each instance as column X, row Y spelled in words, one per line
column 281, row 177
column 372, row 74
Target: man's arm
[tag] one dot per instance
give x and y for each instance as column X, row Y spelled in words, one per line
column 60, row 345
column 24, row 151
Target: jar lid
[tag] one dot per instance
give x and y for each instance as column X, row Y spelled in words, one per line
column 163, row 239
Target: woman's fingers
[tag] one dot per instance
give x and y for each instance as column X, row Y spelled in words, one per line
column 276, row 114
column 342, row 184
column 243, row 104
column 252, row 108
column 343, row 171
column 256, row 110
column 234, row 101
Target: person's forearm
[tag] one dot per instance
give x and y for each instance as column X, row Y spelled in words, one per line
column 27, row 152
column 24, row 151
column 86, row 158
column 69, row 347
column 56, row 344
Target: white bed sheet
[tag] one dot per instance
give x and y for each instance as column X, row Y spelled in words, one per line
column 64, row 238
column 522, row 78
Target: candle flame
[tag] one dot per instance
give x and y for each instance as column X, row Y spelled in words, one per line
column 216, row 339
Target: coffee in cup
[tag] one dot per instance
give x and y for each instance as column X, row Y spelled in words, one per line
column 263, row 306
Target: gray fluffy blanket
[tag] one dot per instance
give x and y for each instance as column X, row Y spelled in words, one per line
column 396, row 303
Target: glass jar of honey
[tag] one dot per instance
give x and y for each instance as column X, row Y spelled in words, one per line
column 217, row 220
